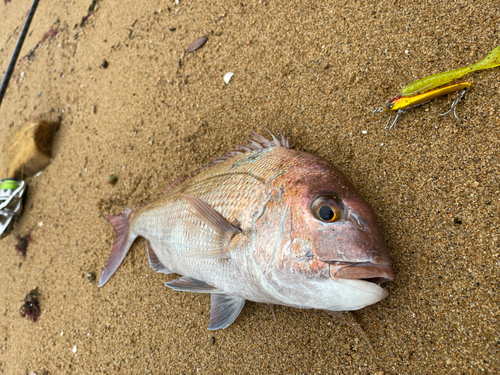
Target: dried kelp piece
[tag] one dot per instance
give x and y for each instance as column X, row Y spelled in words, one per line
column 22, row 243
column 52, row 33
column 92, row 6
column 31, row 307
column 196, row 44
column 49, row 35
column 85, row 18
column 92, row 9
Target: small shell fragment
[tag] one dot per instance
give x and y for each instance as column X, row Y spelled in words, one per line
column 196, row 44
column 75, row 349
column 227, row 77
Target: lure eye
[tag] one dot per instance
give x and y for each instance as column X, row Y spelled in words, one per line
column 389, row 106
column 326, row 209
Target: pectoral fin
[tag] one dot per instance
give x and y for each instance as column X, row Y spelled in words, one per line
column 189, row 284
column 272, row 310
column 225, row 309
column 215, row 231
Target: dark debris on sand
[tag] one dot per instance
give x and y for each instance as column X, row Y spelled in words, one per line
column 22, row 243
column 31, row 307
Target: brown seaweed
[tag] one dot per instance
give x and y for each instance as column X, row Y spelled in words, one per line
column 31, row 307
column 22, row 243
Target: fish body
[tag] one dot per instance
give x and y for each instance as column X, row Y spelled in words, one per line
column 265, row 223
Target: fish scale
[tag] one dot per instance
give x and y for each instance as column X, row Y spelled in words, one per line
column 174, row 236
column 249, row 227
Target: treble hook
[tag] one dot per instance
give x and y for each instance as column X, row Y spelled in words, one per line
column 455, row 104
column 393, row 125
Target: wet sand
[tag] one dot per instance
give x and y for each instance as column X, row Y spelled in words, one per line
column 313, row 71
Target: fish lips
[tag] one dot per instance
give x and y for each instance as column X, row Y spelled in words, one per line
column 366, row 271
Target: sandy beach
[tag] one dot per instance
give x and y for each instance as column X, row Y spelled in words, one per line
column 315, row 71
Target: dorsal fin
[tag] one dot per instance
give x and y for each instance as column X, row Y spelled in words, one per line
column 177, row 182
column 257, row 142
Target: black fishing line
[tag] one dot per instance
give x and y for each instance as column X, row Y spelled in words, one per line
column 17, row 50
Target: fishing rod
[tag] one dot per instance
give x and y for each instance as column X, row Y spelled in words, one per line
column 12, row 190
column 17, row 50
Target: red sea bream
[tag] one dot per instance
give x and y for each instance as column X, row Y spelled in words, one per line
column 265, row 223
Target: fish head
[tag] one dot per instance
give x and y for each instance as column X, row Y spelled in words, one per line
column 332, row 254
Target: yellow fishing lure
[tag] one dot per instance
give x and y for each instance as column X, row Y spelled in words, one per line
column 403, row 102
column 423, row 90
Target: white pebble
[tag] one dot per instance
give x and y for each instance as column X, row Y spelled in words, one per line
column 364, row 132
column 406, row 51
column 227, row 77
column 40, row 224
column 74, row 349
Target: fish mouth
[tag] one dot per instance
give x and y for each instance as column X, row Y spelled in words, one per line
column 365, row 271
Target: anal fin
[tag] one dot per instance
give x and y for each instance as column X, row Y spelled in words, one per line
column 225, row 309
column 154, row 262
column 220, row 232
column 190, row 284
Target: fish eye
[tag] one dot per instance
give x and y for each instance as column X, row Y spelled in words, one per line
column 326, row 209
